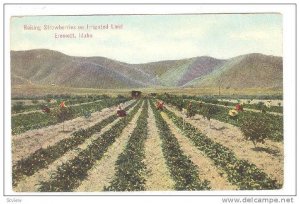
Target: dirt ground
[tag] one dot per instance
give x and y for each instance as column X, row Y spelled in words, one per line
column 30, row 184
column 269, row 156
column 158, row 176
column 28, row 142
column 207, row 169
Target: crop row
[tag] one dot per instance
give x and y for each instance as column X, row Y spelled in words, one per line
column 247, row 100
column 239, row 97
column 19, row 107
column 130, row 168
column 69, row 175
column 240, row 172
column 36, row 120
column 260, row 106
column 214, row 100
column 274, row 123
column 182, row 169
column 42, row 157
column 63, row 97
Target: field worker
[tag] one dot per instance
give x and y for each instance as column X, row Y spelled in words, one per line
column 46, row 109
column 62, row 104
column 159, row 105
column 120, row 111
column 239, row 107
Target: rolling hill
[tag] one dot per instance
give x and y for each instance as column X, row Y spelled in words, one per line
column 44, row 67
column 246, row 71
column 51, row 67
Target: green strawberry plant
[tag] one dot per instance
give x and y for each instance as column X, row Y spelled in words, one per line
column 70, row 174
column 240, row 172
column 130, row 168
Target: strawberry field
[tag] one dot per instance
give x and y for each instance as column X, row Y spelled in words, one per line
column 191, row 144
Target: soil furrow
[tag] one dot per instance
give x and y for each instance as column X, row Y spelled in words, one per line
column 207, row 169
column 158, row 176
column 30, row 184
column 268, row 157
column 27, row 143
column 104, row 170
column 40, row 111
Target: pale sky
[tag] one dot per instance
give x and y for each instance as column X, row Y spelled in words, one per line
column 147, row 38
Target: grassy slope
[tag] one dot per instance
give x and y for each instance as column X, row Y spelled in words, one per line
column 200, row 67
column 172, row 77
column 174, row 73
column 247, row 71
column 45, row 67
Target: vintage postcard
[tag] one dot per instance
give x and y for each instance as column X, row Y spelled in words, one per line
column 173, row 102
column 147, row 102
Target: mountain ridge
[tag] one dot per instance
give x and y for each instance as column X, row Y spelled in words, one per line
column 43, row 66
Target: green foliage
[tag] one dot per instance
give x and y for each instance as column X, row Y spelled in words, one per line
column 191, row 110
column 210, row 100
column 70, row 100
column 255, row 129
column 120, row 97
column 261, row 106
column 209, row 111
column 273, row 122
column 30, row 121
column 34, row 101
column 177, row 101
column 87, row 114
column 19, row 106
column 251, row 97
column 240, row 172
column 65, row 114
column 130, row 168
column 45, row 156
column 70, row 174
column 182, row 169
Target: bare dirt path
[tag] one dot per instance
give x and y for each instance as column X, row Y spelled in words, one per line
column 207, row 169
column 158, row 177
column 30, row 184
column 27, row 143
column 104, row 170
column 269, row 156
